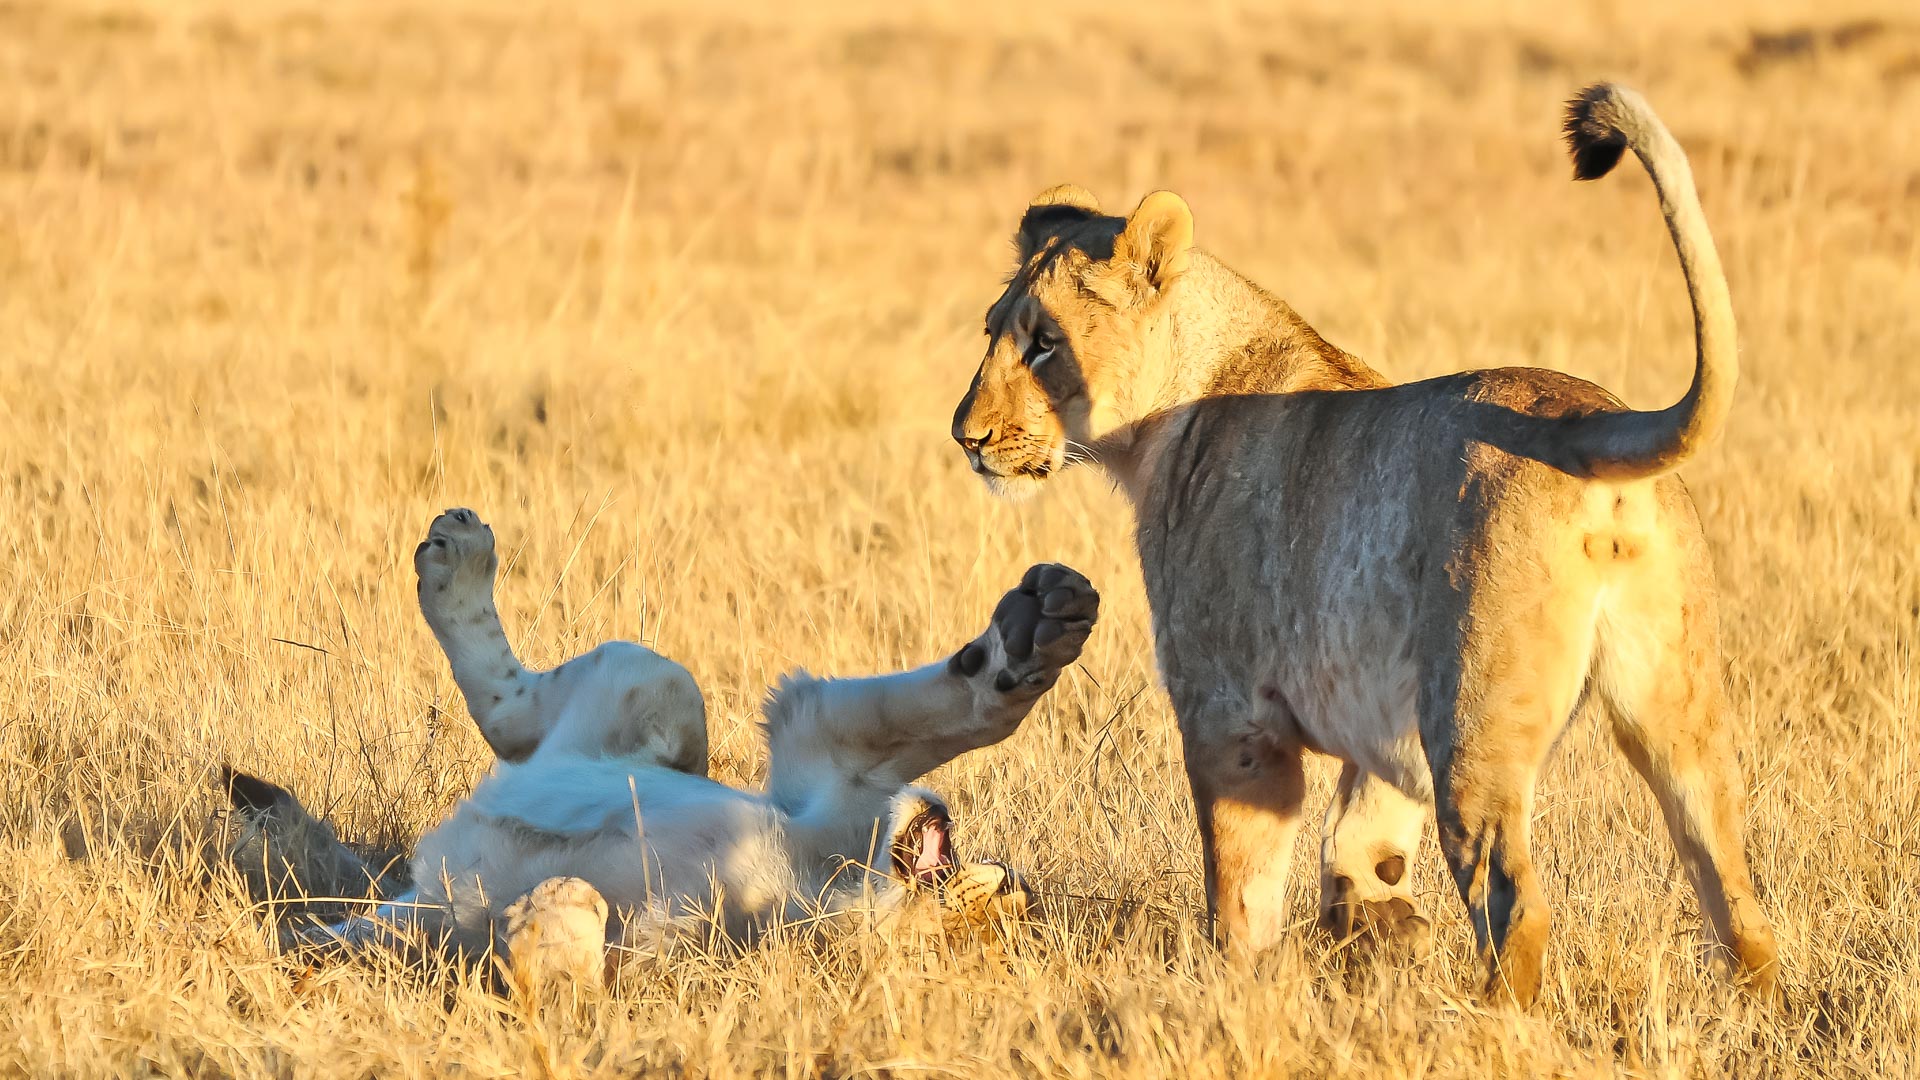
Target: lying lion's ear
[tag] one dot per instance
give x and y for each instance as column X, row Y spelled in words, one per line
column 1158, row 235
column 1050, row 210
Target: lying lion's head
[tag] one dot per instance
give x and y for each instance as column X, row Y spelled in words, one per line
column 1073, row 342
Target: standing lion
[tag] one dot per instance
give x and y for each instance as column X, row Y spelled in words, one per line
column 1425, row 581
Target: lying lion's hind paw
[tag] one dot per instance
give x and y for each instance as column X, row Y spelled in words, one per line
column 557, row 935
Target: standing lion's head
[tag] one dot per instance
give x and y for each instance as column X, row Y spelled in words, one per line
column 1075, row 340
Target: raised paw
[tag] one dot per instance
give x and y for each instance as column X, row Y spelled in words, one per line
column 557, row 934
column 1038, row 629
column 456, row 555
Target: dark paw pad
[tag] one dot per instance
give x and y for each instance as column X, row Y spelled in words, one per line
column 968, row 661
column 1017, row 616
column 1041, row 625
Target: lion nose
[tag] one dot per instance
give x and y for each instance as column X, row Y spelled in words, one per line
column 972, row 443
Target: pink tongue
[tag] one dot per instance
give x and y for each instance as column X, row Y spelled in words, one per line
column 933, row 854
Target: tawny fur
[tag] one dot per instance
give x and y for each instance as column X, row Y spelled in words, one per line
column 600, row 814
column 1422, row 580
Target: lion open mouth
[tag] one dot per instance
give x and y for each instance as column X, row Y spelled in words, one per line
column 932, row 856
column 934, row 862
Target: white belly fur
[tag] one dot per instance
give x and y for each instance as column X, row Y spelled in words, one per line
column 562, row 816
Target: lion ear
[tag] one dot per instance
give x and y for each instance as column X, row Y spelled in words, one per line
column 1050, row 210
column 1157, row 237
column 1072, row 195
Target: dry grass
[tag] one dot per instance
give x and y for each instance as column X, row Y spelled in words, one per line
column 683, row 302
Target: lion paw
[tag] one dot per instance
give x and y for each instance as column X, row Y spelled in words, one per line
column 1038, row 629
column 456, row 560
column 557, row 933
column 1393, row 923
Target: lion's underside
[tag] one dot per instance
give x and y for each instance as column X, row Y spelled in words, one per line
column 715, row 851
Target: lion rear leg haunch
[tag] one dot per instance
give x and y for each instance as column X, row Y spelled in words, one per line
column 1490, row 709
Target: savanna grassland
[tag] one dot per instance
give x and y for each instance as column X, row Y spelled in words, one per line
column 682, row 302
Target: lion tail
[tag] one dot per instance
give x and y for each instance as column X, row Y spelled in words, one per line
column 1603, row 121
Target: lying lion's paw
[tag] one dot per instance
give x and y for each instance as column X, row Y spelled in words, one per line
column 556, row 933
column 1038, row 629
column 984, row 894
column 457, row 553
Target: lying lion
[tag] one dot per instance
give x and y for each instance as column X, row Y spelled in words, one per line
column 599, row 824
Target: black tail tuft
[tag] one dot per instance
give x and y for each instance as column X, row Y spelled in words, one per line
column 1594, row 138
column 247, row 792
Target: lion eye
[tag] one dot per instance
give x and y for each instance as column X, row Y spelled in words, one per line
column 1039, row 350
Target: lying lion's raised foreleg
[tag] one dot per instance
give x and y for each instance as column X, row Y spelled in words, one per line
column 456, row 563
column 618, row 700
column 900, row 727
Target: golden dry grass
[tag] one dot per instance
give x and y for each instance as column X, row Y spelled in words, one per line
column 682, row 302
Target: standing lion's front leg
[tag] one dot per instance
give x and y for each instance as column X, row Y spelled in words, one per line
column 1248, row 791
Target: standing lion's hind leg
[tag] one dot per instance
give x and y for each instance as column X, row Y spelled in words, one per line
column 1659, row 680
column 1489, row 715
column 1485, row 816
